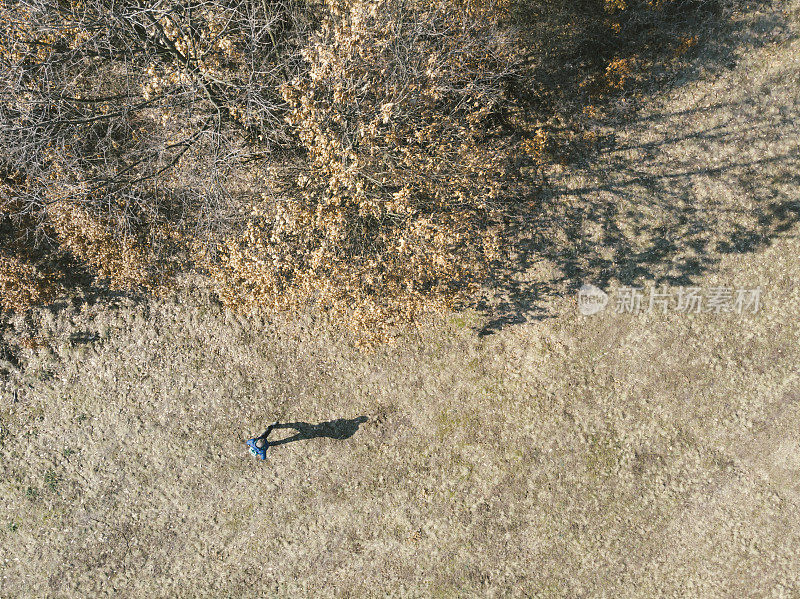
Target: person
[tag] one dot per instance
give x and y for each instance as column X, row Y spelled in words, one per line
column 259, row 445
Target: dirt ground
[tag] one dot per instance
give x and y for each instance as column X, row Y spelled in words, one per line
column 528, row 452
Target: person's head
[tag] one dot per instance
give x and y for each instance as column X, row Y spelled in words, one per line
column 260, row 443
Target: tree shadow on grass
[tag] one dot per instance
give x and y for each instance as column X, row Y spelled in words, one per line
column 339, row 429
column 660, row 200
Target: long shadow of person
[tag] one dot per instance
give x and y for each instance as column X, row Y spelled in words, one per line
column 334, row 429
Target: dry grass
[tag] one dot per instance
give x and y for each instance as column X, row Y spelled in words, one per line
column 565, row 456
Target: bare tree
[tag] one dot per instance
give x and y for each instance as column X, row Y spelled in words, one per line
column 140, row 114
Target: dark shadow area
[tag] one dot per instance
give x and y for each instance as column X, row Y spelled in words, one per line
column 88, row 293
column 83, row 337
column 67, row 281
column 571, row 44
column 9, row 359
column 339, row 429
column 664, row 210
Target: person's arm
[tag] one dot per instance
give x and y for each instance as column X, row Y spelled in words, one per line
column 269, row 430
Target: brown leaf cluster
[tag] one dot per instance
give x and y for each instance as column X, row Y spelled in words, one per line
column 395, row 209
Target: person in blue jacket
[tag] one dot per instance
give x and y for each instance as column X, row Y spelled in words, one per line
column 258, row 445
column 334, row 429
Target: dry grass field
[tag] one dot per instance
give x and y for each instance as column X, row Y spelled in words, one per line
column 516, row 450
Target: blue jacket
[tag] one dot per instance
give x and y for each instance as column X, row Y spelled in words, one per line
column 258, row 452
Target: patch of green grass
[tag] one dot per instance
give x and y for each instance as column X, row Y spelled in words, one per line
column 492, row 387
column 51, row 480
column 465, row 319
column 458, row 322
column 445, row 592
column 449, row 423
column 605, row 452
